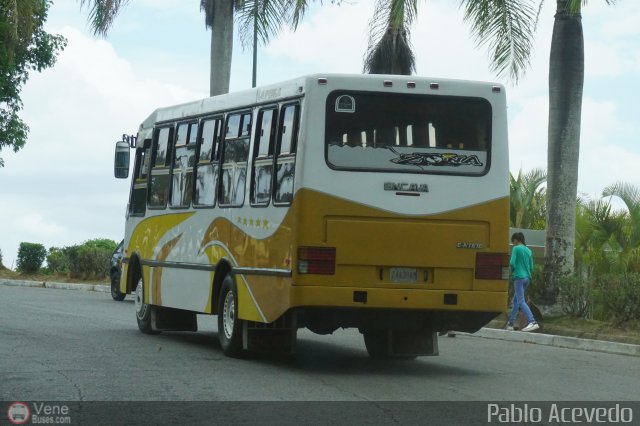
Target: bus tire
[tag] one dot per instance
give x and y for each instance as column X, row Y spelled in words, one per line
column 229, row 326
column 116, row 294
column 143, row 310
column 377, row 344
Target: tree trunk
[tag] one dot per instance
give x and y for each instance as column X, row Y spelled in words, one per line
column 221, row 47
column 566, row 77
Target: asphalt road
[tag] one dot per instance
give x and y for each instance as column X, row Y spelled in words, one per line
column 82, row 346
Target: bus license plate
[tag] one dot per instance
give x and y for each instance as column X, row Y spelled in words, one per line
column 404, row 275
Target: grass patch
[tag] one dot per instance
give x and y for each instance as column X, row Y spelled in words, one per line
column 54, row 277
column 628, row 332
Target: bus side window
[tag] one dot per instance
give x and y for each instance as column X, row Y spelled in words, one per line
column 183, row 162
column 286, row 154
column 207, row 166
column 138, row 201
column 235, row 153
column 160, row 172
column 264, row 144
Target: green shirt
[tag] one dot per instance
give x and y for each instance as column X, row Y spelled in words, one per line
column 521, row 262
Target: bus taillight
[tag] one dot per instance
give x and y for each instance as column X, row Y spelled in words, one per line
column 317, row 260
column 492, row 266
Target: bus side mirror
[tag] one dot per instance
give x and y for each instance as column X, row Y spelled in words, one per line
column 121, row 160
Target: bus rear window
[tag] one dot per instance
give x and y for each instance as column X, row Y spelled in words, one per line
column 408, row 133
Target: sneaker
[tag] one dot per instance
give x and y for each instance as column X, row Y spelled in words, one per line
column 510, row 327
column 532, row 326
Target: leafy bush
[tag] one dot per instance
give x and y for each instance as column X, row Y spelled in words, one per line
column 576, row 296
column 91, row 259
column 30, row 257
column 74, row 265
column 535, row 290
column 57, row 260
column 620, row 296
column 95, row 260
column 101, row 243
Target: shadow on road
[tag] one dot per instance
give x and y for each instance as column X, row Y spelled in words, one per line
column 323, row 358
column 329, row 358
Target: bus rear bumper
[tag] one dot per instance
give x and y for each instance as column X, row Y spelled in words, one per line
column 323, row 309
column 400, row 298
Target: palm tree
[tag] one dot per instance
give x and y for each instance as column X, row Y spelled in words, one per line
column 566, row 77
column 527, row 199
column 268, row 16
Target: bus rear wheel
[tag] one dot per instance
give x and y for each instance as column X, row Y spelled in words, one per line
column 143, row 310
column 229, row 326
column 378, row 346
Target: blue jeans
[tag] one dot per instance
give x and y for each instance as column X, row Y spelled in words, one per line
column 520, row 286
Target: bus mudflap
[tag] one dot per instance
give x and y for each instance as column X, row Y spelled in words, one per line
column 271, row 337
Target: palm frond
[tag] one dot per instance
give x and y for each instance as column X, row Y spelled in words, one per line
column 391, row 14
column 630, row 196
column 389, row 50
column 507, row 28
column 206, row 6
column 392, row 55
column 298, row 9
column 527, row 199
column 272, row 15
column 102, row 14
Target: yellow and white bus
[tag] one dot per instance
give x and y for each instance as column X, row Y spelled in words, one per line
column 368, row 201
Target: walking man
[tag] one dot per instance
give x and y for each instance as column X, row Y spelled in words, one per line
column 521, row 268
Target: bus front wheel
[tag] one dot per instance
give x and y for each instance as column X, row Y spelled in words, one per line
column 116, row 294
column 143, row 310
column 229, row 326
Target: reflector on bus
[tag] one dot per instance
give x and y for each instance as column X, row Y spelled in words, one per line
column 317, row 260
column 492, row 266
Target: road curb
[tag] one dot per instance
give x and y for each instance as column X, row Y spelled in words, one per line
column 19, row 283
column 63, row 286
column 559, row 341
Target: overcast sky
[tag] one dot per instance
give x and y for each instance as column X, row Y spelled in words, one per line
column 59, row 190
